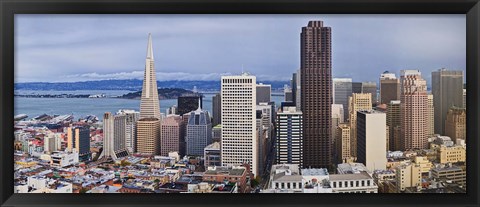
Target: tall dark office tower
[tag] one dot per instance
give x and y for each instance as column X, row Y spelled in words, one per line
column 217, row 109
column 316, row 94
column 187, row 104
column 356, row 87
column 389, row 88
column 78, row 138
column 371, row 88
column 342, row 90
column 447, row 90
column 293, row 83
column 263, row 93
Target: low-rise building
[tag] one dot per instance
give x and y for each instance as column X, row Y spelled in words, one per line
column 353, row 183
column 450, row 173
column 40, row 184
column 234, row 174
column 63, row 159
column 424, row 163
column 408, row 175
column 451, row 154
column 212, row 155
column 286, row 177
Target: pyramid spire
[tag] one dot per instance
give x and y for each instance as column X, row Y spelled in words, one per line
column 149, row 104
column 199, row 104
column 150, row 47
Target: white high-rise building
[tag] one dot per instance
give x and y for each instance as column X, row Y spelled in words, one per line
column 372, row 139
column 337, row 112
column 132, row 117
column 239, row 143
column 114, row 131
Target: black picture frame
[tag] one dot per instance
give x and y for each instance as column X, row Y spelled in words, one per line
column 9, row 8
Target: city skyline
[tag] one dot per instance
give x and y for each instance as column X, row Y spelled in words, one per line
column 309, row 150
column 95, row 48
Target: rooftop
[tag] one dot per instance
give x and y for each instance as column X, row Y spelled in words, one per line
column 286, row 177
column 351, row 168
column 356, row 176
column 215, row 145
column 225, row 171
column 314, row 171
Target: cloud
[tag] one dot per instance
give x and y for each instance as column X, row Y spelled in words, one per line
column 52, row 47
column 161, row 76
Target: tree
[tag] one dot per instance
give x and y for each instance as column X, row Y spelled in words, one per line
column 124, row 163
column 83, row 190
column 255, row 182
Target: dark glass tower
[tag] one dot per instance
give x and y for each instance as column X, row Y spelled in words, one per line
column 316, row 93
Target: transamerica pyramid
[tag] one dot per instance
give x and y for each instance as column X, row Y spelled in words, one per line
column 149, row 105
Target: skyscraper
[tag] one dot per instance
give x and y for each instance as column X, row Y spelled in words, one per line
column 370, row 87
column 464, row 98
column 148, row 136
column 50, row 143
column 148, row 126
column 131, row 124
column 447, row 90
column 389, row 88
column 357, row 102
column 217, row 109
column 393, row 121
column 298, row 91
column 294, row 83
column 413, row 110
column 316, row 93
column 114, row 136
column 149, row 104
column 342, row 143
column 199, row 132
column 171, row 135
column 356, row 87
column 263, row 93
column 342, row 89
column 239, row 143
column 372, row 139
column 267, row 116
column 337, row 119
column 455, row 125
column 78, row 138
column 430, row 116
column 289, row 139
column 288, row 94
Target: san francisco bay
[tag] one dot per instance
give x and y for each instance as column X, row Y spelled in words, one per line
column 80, row 107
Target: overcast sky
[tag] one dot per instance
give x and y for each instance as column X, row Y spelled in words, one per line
column 65, row 48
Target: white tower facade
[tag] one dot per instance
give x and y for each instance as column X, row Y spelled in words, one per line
column 238, row 109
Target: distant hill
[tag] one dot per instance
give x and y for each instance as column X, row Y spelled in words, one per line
column 163, row 93
column 131, row 84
